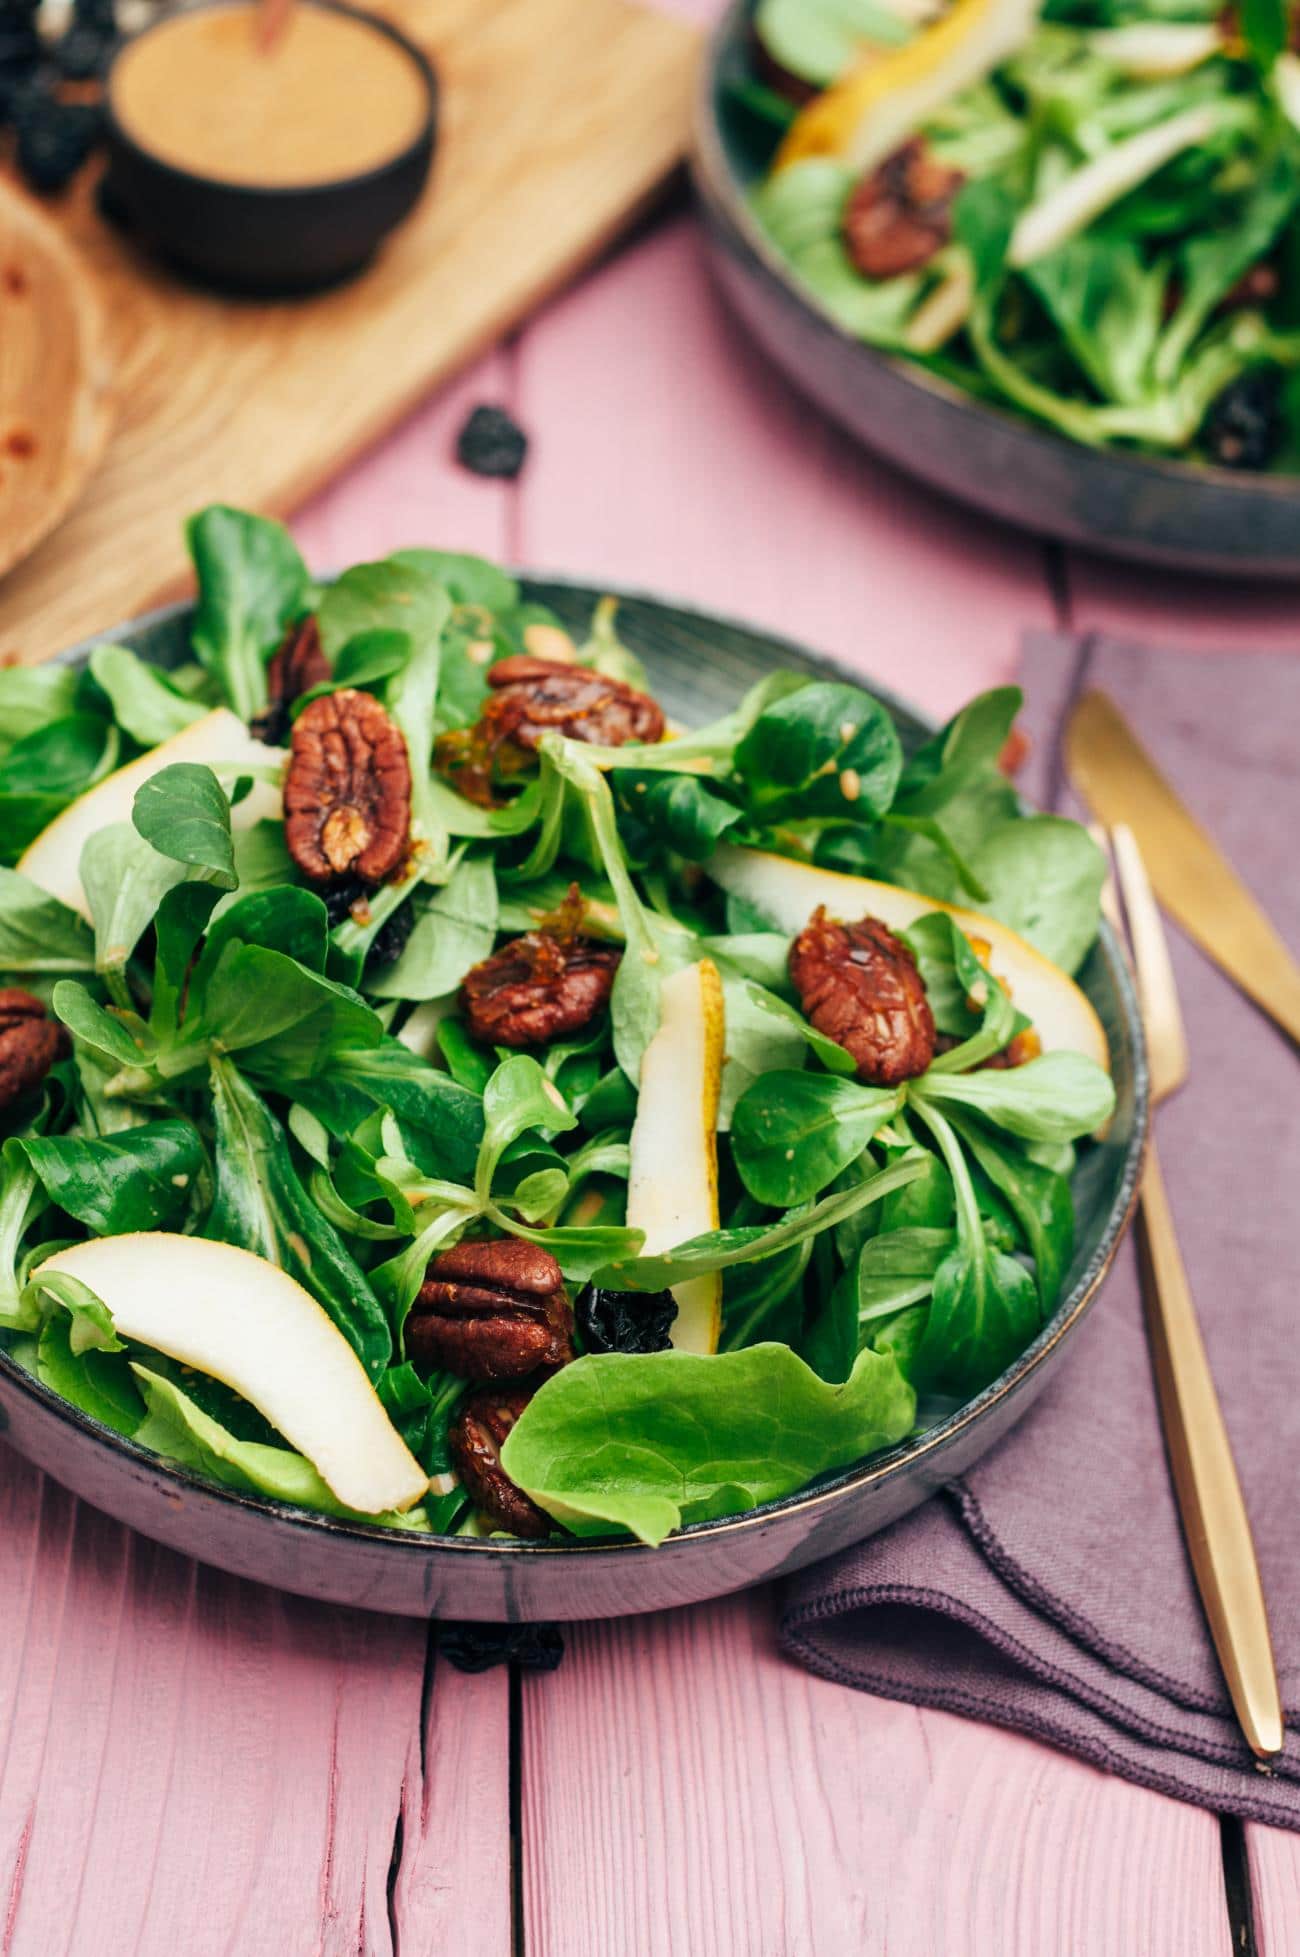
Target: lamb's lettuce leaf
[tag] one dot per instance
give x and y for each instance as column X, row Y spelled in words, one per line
column 650, row 1442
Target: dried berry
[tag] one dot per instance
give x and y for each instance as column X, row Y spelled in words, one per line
column 491, row 1310
column 30, row 1043
column 297, row 664
column 1244, row 427
column 900, row 215
column 624, row 1321
column 547, row 985
column 860, row 987
column 84, row 52
column 475, row 1438
column 389, row 941
column 478, row 1647
column 347, row 799
column 341, row 899
column 491, row 443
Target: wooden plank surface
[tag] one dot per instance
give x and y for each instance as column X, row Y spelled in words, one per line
column 559, row 118
column 685, row 1789
column 1275, row 1876
column 195, row 1764
column 198, row 1765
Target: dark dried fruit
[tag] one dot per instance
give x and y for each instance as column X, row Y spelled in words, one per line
column 297, row 664
column 624, row 1321
column 84, row 52
column 30, row 1043
column 343, row 898
column 860, row 987
column 475, row 1439
column 1244, row 427
column 479, row 1647
column 900, row 215
column 491, row 443
column 489, row 1310
column 544, row 986
column 389, row 941
column 54, row 138
column 347, row 799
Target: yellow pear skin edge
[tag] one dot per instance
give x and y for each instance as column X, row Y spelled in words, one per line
column 744, row 870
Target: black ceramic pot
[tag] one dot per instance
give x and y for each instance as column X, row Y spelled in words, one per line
column 271, row 241
column 698, row 667
column 1170, row 513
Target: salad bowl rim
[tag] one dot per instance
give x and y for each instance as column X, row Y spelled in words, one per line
column 841, row 1483
column 720, row 187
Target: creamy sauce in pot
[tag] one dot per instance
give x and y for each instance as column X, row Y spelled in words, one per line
column 333, row 98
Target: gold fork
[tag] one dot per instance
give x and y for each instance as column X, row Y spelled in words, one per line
column 1210, row 1501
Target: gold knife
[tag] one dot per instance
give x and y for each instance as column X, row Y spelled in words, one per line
column 1192, row 878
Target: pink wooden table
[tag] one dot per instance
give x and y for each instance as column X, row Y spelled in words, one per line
column 194, row 1765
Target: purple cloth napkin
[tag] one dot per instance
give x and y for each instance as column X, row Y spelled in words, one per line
column 1049, row 1589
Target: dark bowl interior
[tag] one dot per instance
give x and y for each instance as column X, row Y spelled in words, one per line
column 268, row 241
column 1161, row 512
column 698, row 665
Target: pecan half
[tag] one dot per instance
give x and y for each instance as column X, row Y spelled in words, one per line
column 900, row 215
column 297, row 664
column 539, row 987
column 30, row 1043
column 475, row 1439
column 491, row 1310
column 347, row 799
column 860, row 987
column 532, row 696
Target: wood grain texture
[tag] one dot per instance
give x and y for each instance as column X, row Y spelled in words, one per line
column 685, row 1789
column 55, row 406
column 192, row 1763
column 561, row 117
column 1275, row 1881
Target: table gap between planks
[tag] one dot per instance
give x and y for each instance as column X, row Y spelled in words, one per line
column 200, row 1765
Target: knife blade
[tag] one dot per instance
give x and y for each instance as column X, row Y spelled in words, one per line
column 1194, row 881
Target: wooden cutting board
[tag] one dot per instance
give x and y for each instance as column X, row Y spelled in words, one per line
column 55, row 398
column 559, row 121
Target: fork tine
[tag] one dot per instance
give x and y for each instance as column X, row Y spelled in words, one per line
column 1161, row 1013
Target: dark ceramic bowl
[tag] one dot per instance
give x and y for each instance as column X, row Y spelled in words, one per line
column 698, row 666
column 268, row 241
column 1171, row 513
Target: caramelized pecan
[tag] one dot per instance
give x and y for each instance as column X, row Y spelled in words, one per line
column 532, row 696
column 297, row 664
column 30, row 1043
column 536, row 988
column 475, row 1439
column 860, row 987
column 900, row 215
column 347, row 799
column 491, row 1310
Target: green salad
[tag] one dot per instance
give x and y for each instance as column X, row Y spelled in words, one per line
column 1084, row 211
column 436, row 1090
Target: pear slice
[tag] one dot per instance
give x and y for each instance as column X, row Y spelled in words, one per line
column 789, row 893
column 672, row 1189
column 228, row 1313
column 220, row 739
